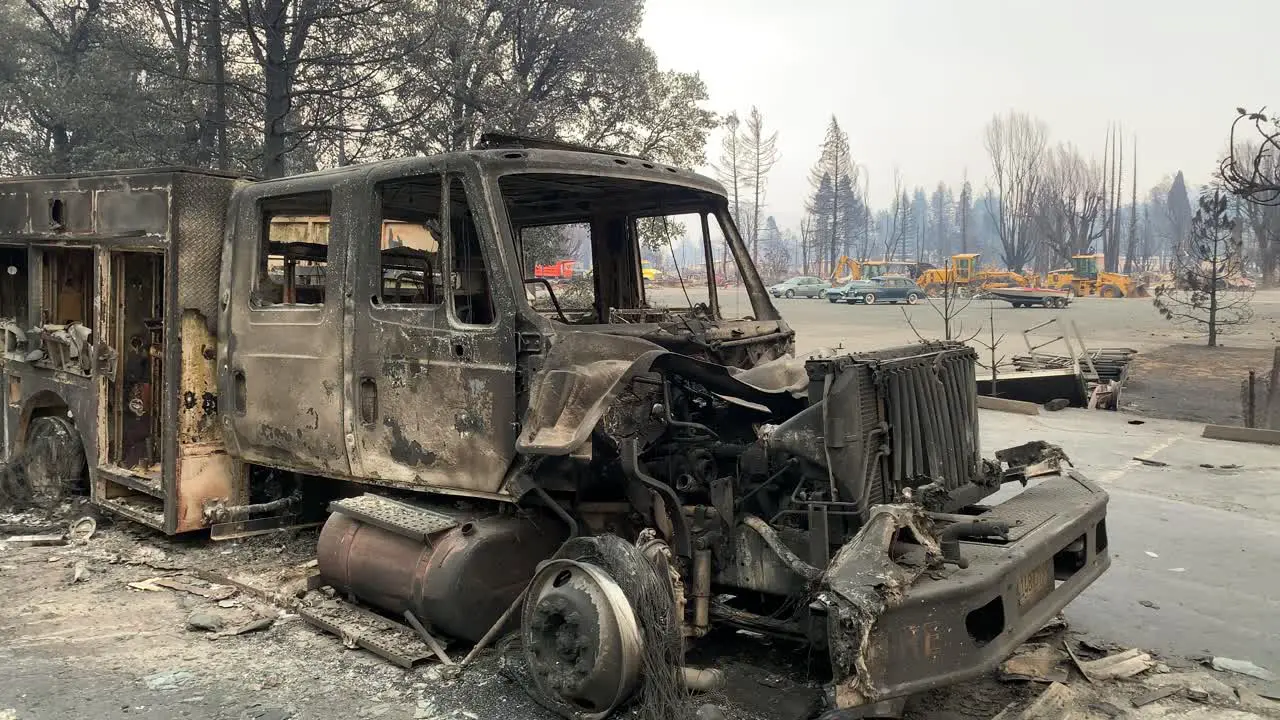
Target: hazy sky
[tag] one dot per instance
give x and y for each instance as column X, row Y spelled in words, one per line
column 914, row 82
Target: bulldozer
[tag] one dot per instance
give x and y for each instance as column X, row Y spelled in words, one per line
column 1084, row 278
column 963, row 272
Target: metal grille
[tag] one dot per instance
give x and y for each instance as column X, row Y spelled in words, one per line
column 928, row 397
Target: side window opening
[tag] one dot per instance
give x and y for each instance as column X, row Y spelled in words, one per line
column 472, row 298
column 68, row 286
column 293, row 255
column 410, row 254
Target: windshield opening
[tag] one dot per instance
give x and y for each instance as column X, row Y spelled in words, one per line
column 597, row 250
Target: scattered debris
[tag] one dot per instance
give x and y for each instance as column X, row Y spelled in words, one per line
column 1250, row 700
column 1107, row 709
column 207, row 621
column 1148, row 604
column 1242, row 667
column 1057, row 404
column 82, row 530
column 1054, row 626
column 1037, row 662
column 168, row 680
column 1152, row 555
column 1053, row 704
column 1152, row 463
column 210, row 591
column 707, row 711
column 1177, row 569
column 1208, row 466
column 227, row 604
column 1151, row 696
column 1121, row 665
column 36, row 540
column 1195, row 683
column 249, row 627
column 78, row 572
column 148, row 585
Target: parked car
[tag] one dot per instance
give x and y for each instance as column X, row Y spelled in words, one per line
column 803, row 286
column 836, row 294
column 886, row 288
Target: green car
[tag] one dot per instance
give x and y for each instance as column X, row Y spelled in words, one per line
column 886, row 288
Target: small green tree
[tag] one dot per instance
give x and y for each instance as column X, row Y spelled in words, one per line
column 1208, row 292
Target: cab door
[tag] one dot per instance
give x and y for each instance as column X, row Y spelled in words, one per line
column 433, row 359
column 282, row 369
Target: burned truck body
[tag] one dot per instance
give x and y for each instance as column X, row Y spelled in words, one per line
column 368, row 346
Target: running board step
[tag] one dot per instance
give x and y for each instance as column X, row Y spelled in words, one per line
column 394, row 516
column 356, row 626
column 146, row 513
column 133, row 481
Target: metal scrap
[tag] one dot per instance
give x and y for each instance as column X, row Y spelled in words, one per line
column 36, row 540
column 1037, row 662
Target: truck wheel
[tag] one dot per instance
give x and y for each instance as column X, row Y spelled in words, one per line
column 869, row 299
column 1110, row 291
column 52, row 459
column 789, row 294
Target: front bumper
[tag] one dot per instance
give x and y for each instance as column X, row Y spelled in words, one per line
column 896, row 630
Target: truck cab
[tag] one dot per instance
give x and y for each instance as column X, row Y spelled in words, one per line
column 324, row 371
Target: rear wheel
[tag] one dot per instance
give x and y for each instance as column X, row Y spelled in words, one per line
column 52, row 459
column 869, row 298
column 822, row 294
column 912, row 298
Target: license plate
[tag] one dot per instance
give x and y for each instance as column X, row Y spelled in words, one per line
column 1035, row 585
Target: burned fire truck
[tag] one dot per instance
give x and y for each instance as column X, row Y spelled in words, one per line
column 362, row 347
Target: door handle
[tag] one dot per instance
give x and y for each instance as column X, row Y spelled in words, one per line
column 368, row 401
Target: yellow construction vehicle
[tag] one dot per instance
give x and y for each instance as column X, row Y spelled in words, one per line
column 846, row 270
column 963, row 271
column 1084, row 278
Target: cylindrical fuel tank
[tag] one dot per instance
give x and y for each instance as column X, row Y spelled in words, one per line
column 460, row 581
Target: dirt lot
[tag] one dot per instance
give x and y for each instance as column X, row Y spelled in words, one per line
column 80, row 642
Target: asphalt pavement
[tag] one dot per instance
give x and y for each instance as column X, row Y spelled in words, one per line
column 1194, row 549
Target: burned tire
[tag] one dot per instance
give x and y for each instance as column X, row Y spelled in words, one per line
column 53, row 462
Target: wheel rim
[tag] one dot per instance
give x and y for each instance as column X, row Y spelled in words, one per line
column 869, row 299
column 911, row 299
column 581, row 638
column 790, row 293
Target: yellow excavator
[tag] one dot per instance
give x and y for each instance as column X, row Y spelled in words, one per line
column 848, row 269
column 964, row 272
column 1084, row 278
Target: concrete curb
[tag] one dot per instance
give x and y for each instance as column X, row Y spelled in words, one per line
column 1003, row 405
column 1241, row 434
